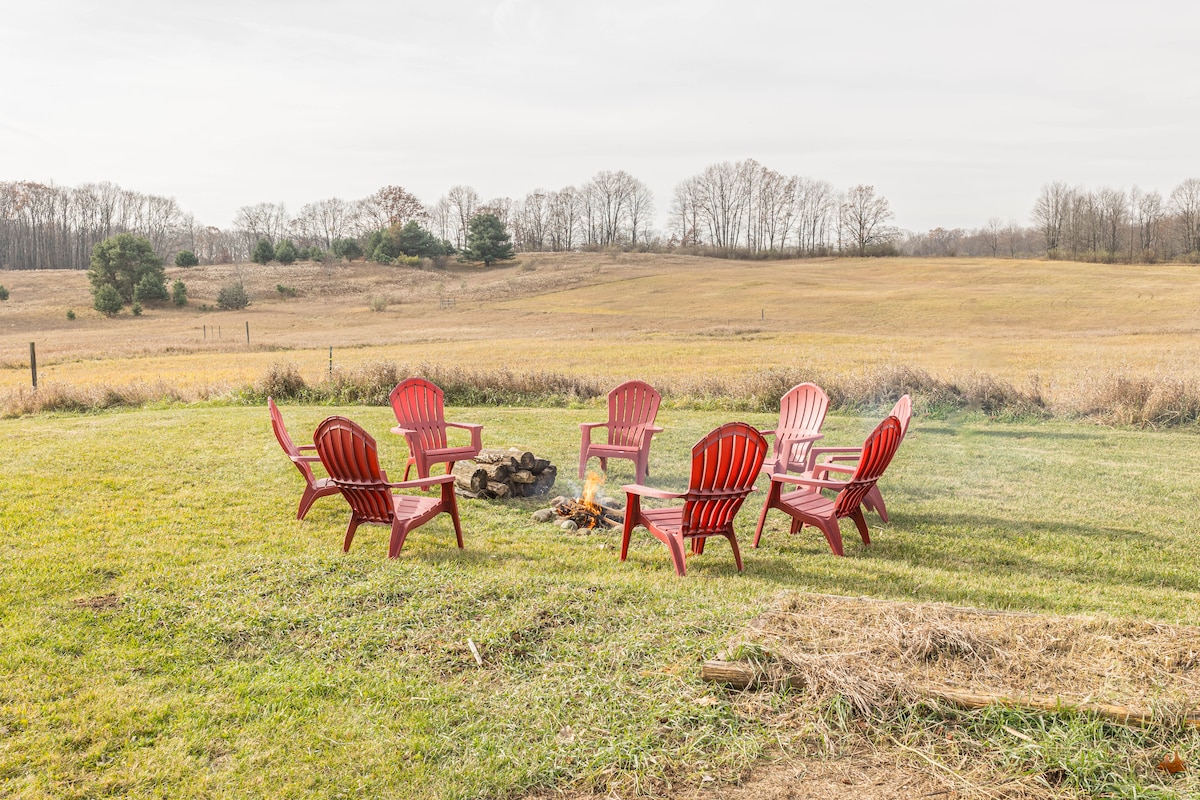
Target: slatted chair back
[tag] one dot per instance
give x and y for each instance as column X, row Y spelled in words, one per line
column 877, row 452
column 351, row 457
column 903, row 412
column 632, row 408
column 285, row 441
column 801, row 413
column 724, row 466
column 419, row 406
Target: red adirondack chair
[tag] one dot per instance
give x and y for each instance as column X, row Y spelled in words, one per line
column 419, row 409
column 351, row 457
column 632, row 407
column 801, row 413
column 724, row 466
column 314, row 487
column 822, row 459
column 807, row 506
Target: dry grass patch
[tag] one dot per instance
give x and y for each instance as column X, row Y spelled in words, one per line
column 877, row 652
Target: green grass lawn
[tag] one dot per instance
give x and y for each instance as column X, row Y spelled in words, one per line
column 170, row 630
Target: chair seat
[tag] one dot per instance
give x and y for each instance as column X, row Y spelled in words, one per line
column 613, row 450
column 407, row 505
column 667, row 520
column 808, row 501
column 440, row 453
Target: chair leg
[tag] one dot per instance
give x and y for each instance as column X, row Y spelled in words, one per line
column 874, row 502
column 306, row 501
column 354, row 523
column 675, row 545
column 450, row 506
column 737, row 554
column 861, row 523
column 633, row 510
column 408, row 465
column 772, row 498
column 698, row 545
column 833, row 535
column 399, row 534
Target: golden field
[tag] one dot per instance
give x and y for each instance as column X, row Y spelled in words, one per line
column 1056, row 324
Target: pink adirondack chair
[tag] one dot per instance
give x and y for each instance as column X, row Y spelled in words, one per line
column 632, row 407
column 823, row 459
column 314, row 487
column 421, row 413
column 351, row 457
column 725, row 464
column 801, row 414
column 807, row 506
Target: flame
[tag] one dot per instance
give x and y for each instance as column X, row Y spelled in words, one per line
column 592, row 487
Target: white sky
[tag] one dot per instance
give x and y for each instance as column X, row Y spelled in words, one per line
column 955, row 111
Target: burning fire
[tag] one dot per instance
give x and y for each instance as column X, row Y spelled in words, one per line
column 586, row 512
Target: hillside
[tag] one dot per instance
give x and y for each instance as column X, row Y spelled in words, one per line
column 655, row 316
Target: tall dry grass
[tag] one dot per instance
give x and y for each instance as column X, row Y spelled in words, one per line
column 1112, row 399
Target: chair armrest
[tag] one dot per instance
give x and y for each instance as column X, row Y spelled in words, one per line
column 421, row 483
column 402, row 430
column 306, row 447
column 653, row 429
column 646, row 491
column 308, row 459
column 476, row 432
column 587, row 426
column 831, row 451
column 820, row 469
column 813, row 482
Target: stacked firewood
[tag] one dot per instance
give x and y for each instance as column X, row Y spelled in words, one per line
column 498, row 474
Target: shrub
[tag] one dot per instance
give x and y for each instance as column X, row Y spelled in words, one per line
column 107, row 300
column 348, row 249
column 179, row 293
column 233, row 297
column 3, row 293
column 378, row 303
column 282, row 382
column 286, row 291
column 152, row 286
column 136, row 308
column 70, row 313
column 286, row 253
column 186, row 258
column 263, row 252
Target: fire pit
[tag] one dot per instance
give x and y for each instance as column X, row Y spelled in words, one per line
column 590, row 511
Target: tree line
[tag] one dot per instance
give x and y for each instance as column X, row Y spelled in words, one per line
column 740, row 209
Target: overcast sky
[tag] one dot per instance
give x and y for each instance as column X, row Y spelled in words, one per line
column 955, row 111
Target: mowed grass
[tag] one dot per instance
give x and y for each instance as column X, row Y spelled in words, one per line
column 1059, row 325
column 170, row 630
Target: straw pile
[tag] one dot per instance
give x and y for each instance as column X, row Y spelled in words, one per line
column 875, row 653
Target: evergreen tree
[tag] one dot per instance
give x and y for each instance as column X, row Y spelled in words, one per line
column 127, row 262
column 285, row 252
column 179, row 293
column 107, row 300
column 487, row 241
column 186, row 258
column 263, row 252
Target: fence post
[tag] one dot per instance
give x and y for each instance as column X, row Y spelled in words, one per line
column 331, row 364
column 247, row 331
column 33, row 363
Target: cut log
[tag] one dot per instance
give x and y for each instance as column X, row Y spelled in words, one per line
column 494, row 456
column 522, row 476
column 470, row 477
column 497, row 472
column 539, row 466
column 500, row 490
column 526, row 460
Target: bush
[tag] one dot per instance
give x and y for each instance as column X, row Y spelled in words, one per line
column 286, row 252
column 348, row 249
column 107, row 300
column 70, row 313
column 378, row 303
column 152, row 286
column 3, row 293
column 263, row 252
column 136, row 308
column 186, row 258
column 286, row 291
column 179, row 293
column 233, row 297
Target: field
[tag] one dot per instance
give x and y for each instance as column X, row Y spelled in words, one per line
column 170, row 630
column 1060, row 327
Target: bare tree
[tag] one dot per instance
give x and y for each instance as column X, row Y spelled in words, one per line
column 464, row 204
column 864, row 217
column 1185, row 204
